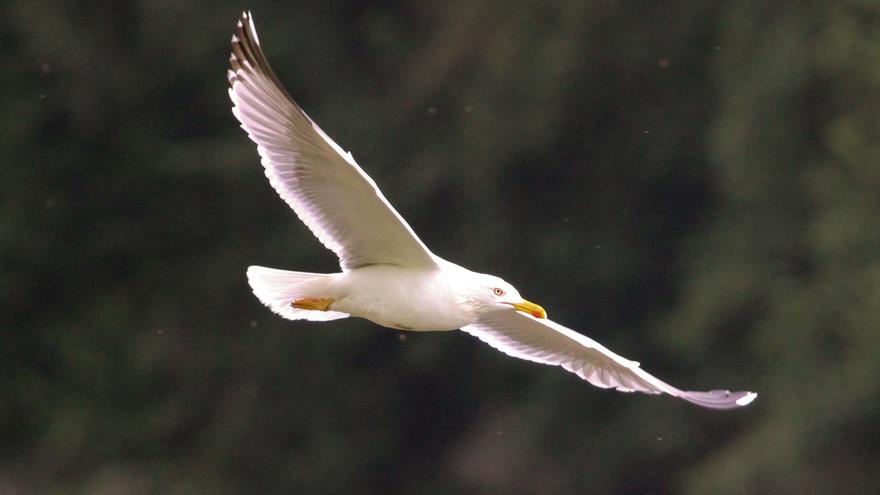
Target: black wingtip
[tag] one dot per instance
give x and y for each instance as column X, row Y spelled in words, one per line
column 720, row 399
column 247, row 55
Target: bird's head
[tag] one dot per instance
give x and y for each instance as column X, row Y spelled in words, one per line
column 491, row 293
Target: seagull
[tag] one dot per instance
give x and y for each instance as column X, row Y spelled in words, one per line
column 388, row 275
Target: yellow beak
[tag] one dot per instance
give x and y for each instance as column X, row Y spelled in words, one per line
column 530, row 308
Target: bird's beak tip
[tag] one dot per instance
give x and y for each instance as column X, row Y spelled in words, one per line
column 531, row 308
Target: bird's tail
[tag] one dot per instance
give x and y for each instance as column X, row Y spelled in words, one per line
column 280, row 290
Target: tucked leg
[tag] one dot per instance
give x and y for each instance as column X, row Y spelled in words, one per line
column 313, row 303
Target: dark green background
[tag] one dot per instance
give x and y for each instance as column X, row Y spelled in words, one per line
column 694, row 184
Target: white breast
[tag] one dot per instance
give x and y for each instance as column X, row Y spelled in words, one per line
column 402, row 298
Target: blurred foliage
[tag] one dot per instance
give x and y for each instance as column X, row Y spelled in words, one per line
column 694, row 184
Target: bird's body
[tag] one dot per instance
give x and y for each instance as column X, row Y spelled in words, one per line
column 408, row 299
column 432, row 298
column 388, row 275
column 421, row 299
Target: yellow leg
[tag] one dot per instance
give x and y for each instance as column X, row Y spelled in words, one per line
column 313, row 303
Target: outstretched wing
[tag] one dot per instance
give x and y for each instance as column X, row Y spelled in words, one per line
column 322, row 183
column 544, row 341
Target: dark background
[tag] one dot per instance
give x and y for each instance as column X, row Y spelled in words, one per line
column 694, row 184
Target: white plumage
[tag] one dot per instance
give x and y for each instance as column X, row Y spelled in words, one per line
column 388, row 275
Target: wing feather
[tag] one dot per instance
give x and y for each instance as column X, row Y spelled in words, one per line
column 544, row 341
column 323, row 184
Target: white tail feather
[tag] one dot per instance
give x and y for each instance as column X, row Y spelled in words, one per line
column 278, row 288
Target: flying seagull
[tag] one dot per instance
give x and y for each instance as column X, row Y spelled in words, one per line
column 388, row 275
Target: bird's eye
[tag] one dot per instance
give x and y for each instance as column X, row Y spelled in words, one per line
column 498, row 291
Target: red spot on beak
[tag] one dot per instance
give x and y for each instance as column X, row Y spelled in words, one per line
column 530, row 308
